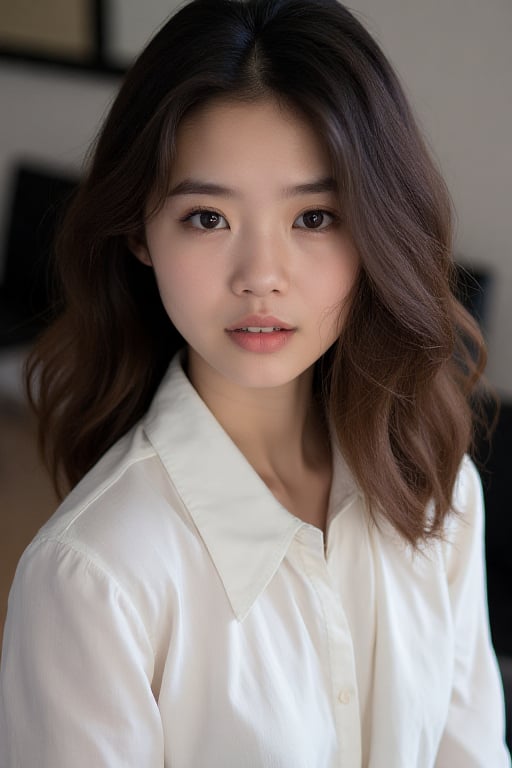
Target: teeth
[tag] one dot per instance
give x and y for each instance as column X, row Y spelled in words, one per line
column 256, row 329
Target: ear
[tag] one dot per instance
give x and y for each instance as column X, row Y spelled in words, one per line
column 139, row 250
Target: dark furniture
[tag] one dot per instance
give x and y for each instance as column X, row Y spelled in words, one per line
column 495, row 455
column 36, row 198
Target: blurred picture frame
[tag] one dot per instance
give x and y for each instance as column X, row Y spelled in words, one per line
column 66, row 33
column 102, row 36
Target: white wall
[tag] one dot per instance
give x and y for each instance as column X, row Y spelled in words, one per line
column 131, row 24
column 455, row 59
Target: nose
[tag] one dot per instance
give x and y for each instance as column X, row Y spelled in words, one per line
column 260, row 266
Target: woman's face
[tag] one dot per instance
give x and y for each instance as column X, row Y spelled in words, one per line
column 250, row 251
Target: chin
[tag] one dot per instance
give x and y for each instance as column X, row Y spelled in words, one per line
column 264, row 374
column 248, row 371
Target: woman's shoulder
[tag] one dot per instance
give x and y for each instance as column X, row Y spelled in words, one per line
column 127, row 479
column 467, row 509
column 460, row 542
column 463, row 534
column 124, row 517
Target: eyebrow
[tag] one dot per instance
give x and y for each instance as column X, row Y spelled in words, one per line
column 198, row 187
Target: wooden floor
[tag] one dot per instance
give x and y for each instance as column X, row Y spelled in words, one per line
column 26, row 496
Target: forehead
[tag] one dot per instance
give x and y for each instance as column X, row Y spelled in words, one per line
column 263, row 139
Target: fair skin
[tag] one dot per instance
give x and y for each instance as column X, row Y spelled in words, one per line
column 252, row 239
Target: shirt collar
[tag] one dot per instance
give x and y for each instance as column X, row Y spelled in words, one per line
column 246, row 530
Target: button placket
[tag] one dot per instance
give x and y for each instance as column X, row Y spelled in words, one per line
column 341, row 653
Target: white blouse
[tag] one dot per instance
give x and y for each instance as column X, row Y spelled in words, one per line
column 173, row 613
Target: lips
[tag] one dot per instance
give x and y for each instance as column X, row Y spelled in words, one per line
column 259, row 324
column 261, row 334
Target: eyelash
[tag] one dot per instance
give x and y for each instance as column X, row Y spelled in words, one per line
column 197, row 211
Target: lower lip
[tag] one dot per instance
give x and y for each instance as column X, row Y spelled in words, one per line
column 261, row 342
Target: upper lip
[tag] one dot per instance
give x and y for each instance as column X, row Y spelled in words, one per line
column 260, row 321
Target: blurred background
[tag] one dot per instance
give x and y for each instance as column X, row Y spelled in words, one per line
column 61, row 62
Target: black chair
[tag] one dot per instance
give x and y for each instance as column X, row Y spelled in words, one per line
column 37, row 197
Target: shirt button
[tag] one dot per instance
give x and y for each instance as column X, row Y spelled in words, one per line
column 344, row 696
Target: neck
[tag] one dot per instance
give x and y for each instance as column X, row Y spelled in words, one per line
column 279, row 430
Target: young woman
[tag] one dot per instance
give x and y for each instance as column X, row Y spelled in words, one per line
column 258, row 391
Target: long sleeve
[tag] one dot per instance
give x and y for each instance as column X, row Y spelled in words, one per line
column 75, row 684
column 474, row 734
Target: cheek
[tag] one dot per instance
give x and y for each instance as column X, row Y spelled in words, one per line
column 333, row 291
column 177, row 279
column 335, row 282
column 172, row 287
column 187, row 292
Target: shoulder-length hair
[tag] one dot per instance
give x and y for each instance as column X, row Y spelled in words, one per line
column 397, row 383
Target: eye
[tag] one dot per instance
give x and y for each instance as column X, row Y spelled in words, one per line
column 316, row 219
column 205, row 219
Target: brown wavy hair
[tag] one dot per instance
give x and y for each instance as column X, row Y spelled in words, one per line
column 398, row 383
